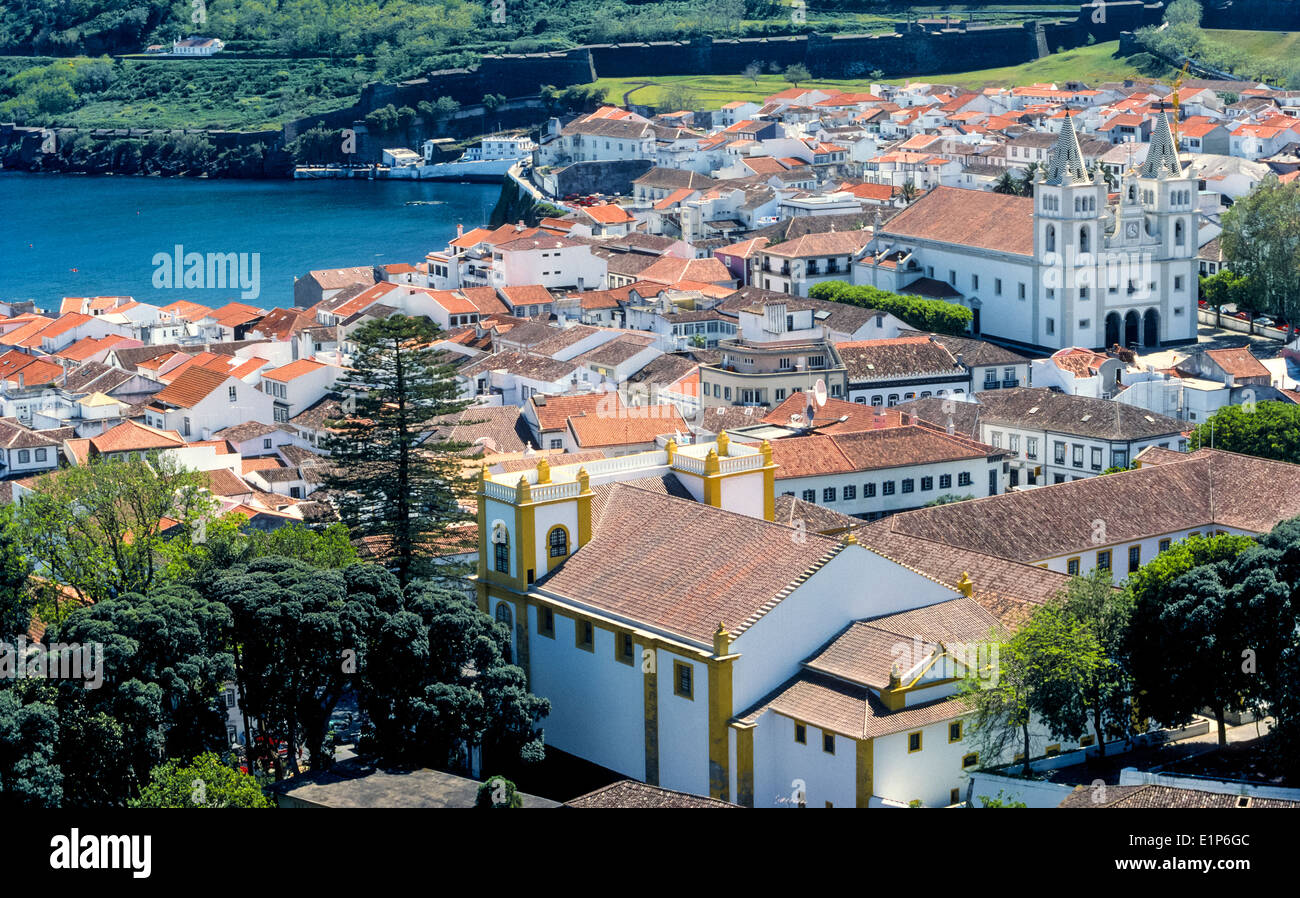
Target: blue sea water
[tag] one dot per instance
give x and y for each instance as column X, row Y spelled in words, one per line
column 69, row 235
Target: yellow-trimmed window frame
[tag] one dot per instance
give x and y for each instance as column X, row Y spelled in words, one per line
column 1107, row 554
column 545, row 622
column 974, row 763
column 568, row 543
column 1077, row 561
column 801, row 732
column 1052, row 750
column 920, row 741
column 960, row 731
column 678, row 666
column 582, row 626
column 828, row 739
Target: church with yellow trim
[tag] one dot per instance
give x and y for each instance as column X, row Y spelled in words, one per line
column 687, row 639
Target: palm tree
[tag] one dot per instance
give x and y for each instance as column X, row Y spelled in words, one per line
column 1006, row 183
column 908, row 192
column 1026, row 187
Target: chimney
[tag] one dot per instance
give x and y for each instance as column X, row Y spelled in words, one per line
column 460, row 230
column 21, row 378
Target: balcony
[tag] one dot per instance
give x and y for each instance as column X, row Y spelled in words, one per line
column 1009, row 384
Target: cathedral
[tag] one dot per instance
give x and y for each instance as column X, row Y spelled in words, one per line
column 1078, row 263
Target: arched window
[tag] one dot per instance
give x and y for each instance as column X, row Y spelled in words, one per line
column 1083, row 240
column 1178, row 233
column 501, row 549
column 1051, row 239
column 1132, row 193
column 504, row 616
column 558, row 541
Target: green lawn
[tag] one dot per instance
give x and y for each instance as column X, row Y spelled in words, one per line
column 1274, row 44
column 1095, row 63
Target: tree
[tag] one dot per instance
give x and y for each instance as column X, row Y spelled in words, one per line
column 1025, row 186
column 440, row 683
column 393, row 484
column 17, row 598
column 204, row 782
column 1186, row 633
column 498, row 792
column 1041, row 673
column 1104, row 612
column 1264, row 579
column 1264, row 429
column 1261, row 238
column 30, row 776
column 677, row 97
column 753, row 72
column 301, row 634
column 1223, row 288
column 908, row 192
column 1184, row 12
column 108, row 528
column 796, row 73
column 1006, row 184
column 165, row 663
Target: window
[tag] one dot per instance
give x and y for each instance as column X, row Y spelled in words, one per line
column 24, row 456
column 40, row 454
column 954, row 796
column 546, row 622
column 909, row 485
column 913, row 742
column 501, row 552
column 1119, row 458
column 1053, row 750
column 557, row 444
column 1051, row 326
column 995, row 439
column 1134, row 558
column 624, row 648
column 945, row 481
column 185, row 427
column 584, row 635
column 868, row 491
column 828, row 494
column 850, row 493
column 682, row 682
column 1096, row 458
column 1022, row 292
column 810, row 495
column 1072, row 567
column 877, row 401
column 1059, row 453
column 234, row 394
column 1031, row 447
column 558, row 540
column 927, row 484
column 828, row 743
column 801, row 734
column 1164, row 545
column 1013, row 442
column 1103, row 559
column 964, row 479
column 888, row 488
column 970, row 760
column 954, row 731
column 997, row 286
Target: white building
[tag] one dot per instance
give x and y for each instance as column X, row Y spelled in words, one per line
column 1061, row 268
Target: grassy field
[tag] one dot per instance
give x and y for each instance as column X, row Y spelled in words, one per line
column 1095, row 63
column 1275, row 44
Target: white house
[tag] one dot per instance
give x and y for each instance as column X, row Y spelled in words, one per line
column 200, row 402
